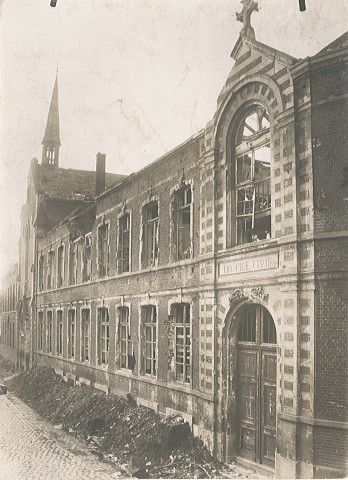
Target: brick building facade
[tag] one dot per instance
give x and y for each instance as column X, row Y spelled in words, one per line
column 9, row 331
column 212, row 283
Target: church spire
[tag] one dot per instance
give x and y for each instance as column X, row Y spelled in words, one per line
column 51, row 140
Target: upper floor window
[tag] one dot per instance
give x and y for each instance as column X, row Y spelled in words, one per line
column 183, row 222
column 103, row 250
column 103, row 336
column 182, row 325
column 73, row 256
column 50, row 268
column 150, row 235
column 60, row 266
column 124, row 244
column 253, row 178
column 87, row 258
column 41, row 273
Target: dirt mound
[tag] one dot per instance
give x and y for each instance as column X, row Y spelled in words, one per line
column 117, row 427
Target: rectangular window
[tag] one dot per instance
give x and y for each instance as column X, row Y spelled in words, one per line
column 49, row 331
column 182, row 343
column 73, row 253
column 71, row 333
column 50, row 267
column 103, row 250
column 182, row 222
column 125, row 339
column 150, row 235
column 85, row 334
column 60, row 266
column 87, row 258
column 59, row 332
column 103, row 336
column 41, row 273
column 124, row 243
column 40, row 331
column 150, row 329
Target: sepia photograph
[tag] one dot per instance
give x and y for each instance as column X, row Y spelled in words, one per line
column 173, row 239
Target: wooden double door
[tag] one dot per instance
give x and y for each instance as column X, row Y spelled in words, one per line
column 257, row 379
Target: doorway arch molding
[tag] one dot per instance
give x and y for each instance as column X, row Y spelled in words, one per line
column 239, row 300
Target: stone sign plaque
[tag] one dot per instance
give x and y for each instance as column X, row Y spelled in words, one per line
column 254, row 264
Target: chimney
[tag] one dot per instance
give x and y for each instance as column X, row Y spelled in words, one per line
column 100, row 173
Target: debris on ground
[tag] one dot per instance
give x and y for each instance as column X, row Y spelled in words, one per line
column 148, row 445
column 6, row 368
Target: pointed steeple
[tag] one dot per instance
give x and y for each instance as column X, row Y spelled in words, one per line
column 51, row 140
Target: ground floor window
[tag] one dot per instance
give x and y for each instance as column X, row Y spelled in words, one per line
column 49, row 331
column 182, row 325
column 150, row 333
column 85, row 335
column 40, row 331
column 59, row 332
column 103, row 336
column 125, row 343
column 71, row 333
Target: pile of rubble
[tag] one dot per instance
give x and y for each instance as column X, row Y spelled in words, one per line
column 6, row 368
column 145, row 444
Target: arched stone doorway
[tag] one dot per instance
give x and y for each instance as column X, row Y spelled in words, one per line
column 256, row 369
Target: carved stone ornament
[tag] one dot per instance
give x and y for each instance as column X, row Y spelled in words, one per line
column 259, row 292
column 236, row 294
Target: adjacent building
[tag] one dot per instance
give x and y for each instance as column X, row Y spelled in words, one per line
column 213, row 282
column 10, row 338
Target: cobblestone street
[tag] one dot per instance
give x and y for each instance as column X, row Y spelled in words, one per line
column 32, row 449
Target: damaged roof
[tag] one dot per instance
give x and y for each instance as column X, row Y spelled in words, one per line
column 69, row 184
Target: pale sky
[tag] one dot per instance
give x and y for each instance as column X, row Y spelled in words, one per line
column 136, row 77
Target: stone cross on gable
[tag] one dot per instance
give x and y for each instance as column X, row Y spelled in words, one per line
column 249, row 6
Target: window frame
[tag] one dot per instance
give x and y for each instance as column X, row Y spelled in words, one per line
column 103, row 250
column 253, row 320
column 40, row 330
column 73, row 262
column 123, row 313
column 49, row 321
column 60, row 265
column 71, row 337
column 150, row 256
column 122, row 233
column 86, row 273
column 41, row 271
column 103, row 339
column 260, row 189
column 84, row 336
column 149, row 325
column 179, row 211
column 186, row 326
column 60, row 333
column 50, row 269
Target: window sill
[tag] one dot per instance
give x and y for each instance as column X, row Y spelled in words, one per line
column 250, row 247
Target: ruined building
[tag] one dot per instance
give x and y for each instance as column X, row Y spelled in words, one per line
column 212, row 283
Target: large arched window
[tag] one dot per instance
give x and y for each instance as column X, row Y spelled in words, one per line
column 252, row 160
